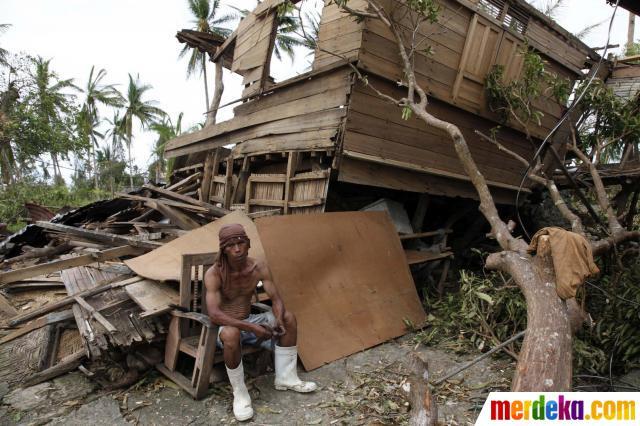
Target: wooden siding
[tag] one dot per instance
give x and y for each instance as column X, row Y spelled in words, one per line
column 375, row 131
column 339, row 36
column 556, row 48
column 252, row 52
column 296, row 117
column 466, row 43
column 382, row 175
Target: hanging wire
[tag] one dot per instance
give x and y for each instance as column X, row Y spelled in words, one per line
column 562, row 119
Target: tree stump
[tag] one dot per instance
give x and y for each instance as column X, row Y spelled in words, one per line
column 424, row 411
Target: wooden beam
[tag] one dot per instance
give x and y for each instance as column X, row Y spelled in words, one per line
column 424, row 234
column 216, row 211
column 172, row 203
column 240, row 189
column 100, row 288
column 103, row 237
column 292, row 167
column 228, row 183
column 95, row 314
column 421, row 210
column 205, row 186
column 65, row 365
column 178, row 218
column 57, row 265
column 184, row 181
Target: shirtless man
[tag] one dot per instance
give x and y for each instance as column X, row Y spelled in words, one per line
column 230, row 284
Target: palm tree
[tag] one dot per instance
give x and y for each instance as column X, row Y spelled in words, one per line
column 166, row 131
column 51, row 104
column 97, row 93
column 136, row 107
column 205, row 20
column 115, row 133
column 3, row 52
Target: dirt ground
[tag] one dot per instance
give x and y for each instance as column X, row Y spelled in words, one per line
column 364, row 388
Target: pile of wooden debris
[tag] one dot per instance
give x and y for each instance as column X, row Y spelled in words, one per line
column 66, row 295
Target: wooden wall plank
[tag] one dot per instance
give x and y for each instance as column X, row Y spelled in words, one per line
column 376, row 128
column 327, row 99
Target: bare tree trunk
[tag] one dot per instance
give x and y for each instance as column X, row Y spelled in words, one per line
column 95, row 165
column 57, row 176
column 631, row 30
column 217, row 95
column 424, row 411
column 206, row 85
column 130, row 166
column 6, row 163
column 544, row 362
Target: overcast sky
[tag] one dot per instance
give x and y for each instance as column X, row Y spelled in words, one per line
column 138, row 37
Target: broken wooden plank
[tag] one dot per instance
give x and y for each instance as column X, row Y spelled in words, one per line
column 185, row 181
column 95, row 314
column 425, row 234
column 38, row 252
column 216, row 211
column 186, row 206
column 57, row 265
column 415, row 256
column 100, row 287
column 31, row 285
column 103, row 237
column 51, row 318
column 152, row 297
column 65, row 365
column 176, row 217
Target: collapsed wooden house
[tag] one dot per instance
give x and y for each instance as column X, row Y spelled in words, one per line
column 296, row 140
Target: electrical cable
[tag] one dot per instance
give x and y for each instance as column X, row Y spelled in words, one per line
column 562, row 119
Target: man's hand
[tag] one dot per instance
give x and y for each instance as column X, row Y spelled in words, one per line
column 262, row 331
column 280, row 330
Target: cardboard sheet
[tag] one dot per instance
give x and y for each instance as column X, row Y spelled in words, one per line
column 164, row 263
column 345, row 277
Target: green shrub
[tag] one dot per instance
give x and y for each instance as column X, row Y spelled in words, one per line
column 13, row 197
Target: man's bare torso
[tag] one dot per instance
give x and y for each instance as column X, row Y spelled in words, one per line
column 236, row 292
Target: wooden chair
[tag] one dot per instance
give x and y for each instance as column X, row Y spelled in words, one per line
column 191, row 331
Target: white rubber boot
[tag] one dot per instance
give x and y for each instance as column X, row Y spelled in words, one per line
column 286, row 362
column 241, row 400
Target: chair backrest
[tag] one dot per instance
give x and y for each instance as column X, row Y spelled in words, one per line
column 192, row 289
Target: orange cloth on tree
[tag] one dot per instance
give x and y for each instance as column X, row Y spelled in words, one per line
column 572, row 259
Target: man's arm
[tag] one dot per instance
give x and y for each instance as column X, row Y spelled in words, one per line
column 276, row 302
column 213, row 299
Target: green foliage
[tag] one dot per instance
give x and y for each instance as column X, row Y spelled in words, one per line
column 614, row 305
column 486, row 311
column 166, row 131
column 3, row 52
column 429, row 9
column 406, row 112
column 632, row 50
column 137, row 108
column 514, row 99
column 612, row 122
column 12, row 199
